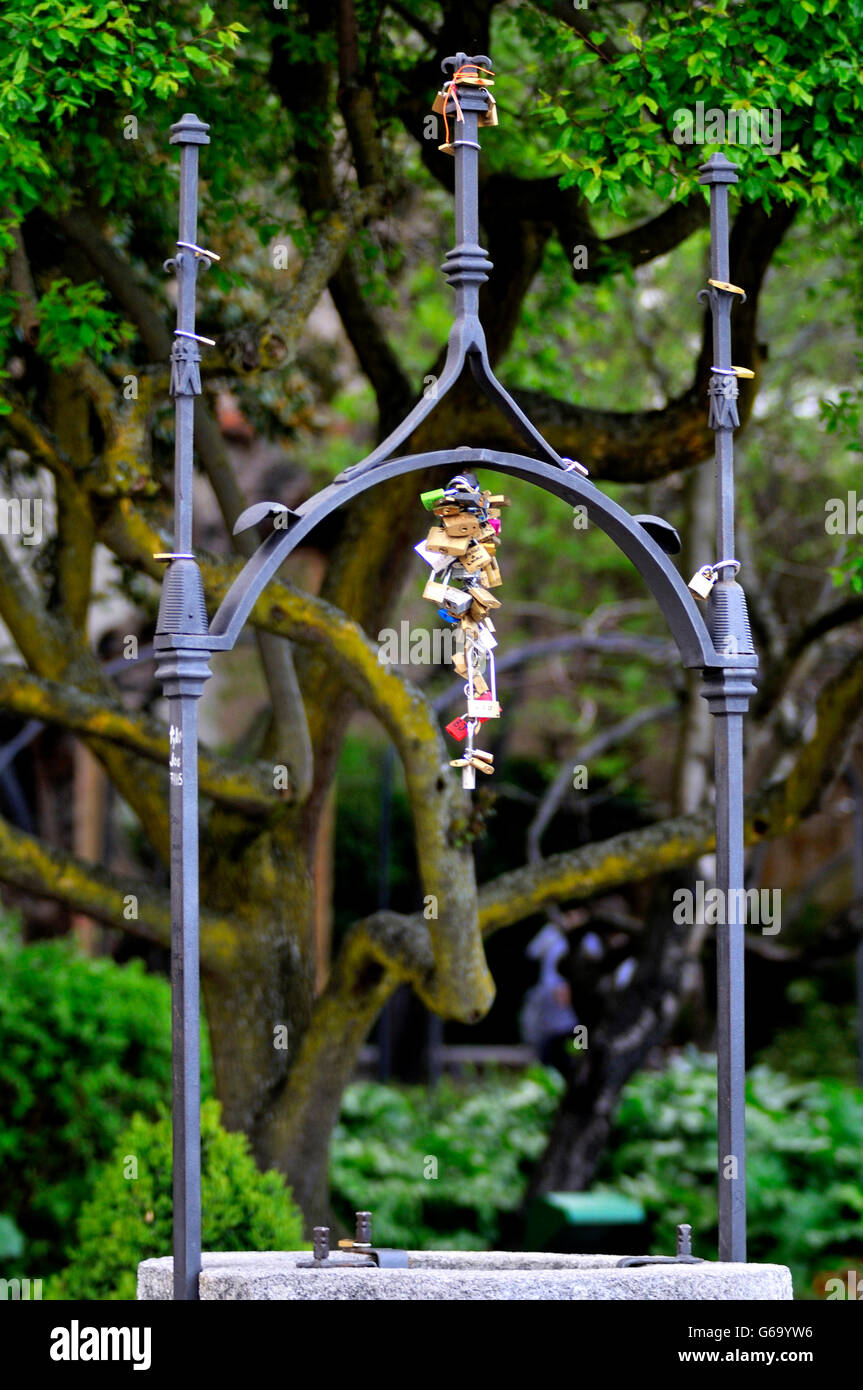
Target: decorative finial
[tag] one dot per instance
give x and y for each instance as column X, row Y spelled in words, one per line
column 460, row 60
column 718, row 169
column 189, row 130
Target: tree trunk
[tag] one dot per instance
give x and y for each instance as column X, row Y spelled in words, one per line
column 630, row 1025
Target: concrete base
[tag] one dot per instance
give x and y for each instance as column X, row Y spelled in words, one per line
column 445, row 1274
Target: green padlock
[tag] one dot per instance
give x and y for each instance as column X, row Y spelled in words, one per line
column 430, row 500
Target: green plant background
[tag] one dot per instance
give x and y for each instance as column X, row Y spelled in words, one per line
column 84, row 1045
column 85, row 1082
column 127, row 1219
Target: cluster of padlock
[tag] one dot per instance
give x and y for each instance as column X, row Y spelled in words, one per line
column 467, row 72
column 461, row 551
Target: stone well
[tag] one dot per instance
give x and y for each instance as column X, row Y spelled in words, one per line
column 446, row 1274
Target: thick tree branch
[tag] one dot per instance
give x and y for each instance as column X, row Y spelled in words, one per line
column 53, row 650
column 274, row 342
column 356, row 100
column 248, row 788
column 131, row 905
column 37, row 635
column 21, row 279
column 35, row 438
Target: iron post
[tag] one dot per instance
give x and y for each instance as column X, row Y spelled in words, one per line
column 727, row 691
column 183, row 668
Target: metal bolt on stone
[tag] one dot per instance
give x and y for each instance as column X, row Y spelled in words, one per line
column 363, row 1229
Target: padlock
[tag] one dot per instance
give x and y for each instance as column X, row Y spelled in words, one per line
column 433, row 499
column 438, row 539
column 464, row 487
column 436, row 559
column 491, row 574
column 489, row 117
column 464, row 524
column 457, row 729
column 458, row 602
column 702, row 581
column 434, row 592
column 482, row 602
column 483, row 761
column 483, row 708
column 476, row 558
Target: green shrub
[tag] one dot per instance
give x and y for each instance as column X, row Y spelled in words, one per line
column 820, row 1042
column 128, row 1218
column 439, row 1166
column 84, row 1044
column 804, row 1140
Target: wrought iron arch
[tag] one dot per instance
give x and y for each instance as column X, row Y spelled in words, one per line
column 291, row 528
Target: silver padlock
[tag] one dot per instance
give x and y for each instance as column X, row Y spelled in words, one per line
column 702, row 581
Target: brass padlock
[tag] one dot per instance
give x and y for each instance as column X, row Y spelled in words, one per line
column 489, row 117
column 702, row 581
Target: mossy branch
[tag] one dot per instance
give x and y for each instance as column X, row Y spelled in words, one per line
column 132, row 905
column 35, row 438
column 247, row 788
